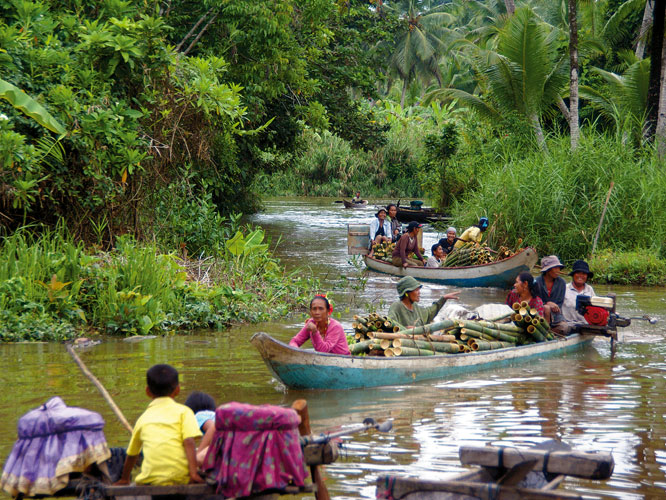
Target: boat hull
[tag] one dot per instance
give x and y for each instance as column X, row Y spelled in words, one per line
column 307, row 369
column 423, row 215
column 351, row 204
column 501, row 274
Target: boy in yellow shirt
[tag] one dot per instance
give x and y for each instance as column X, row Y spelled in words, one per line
column 166, row 431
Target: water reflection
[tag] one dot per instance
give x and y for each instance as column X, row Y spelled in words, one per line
column 589, row 399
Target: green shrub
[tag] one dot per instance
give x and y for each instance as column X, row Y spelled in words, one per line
column 638, row 267
column 554, row 201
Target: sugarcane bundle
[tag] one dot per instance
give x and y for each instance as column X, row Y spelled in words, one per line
column 383, row 251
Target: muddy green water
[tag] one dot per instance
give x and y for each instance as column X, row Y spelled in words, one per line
column 595, row 399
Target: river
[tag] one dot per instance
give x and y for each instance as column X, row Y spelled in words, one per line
column 596, row 399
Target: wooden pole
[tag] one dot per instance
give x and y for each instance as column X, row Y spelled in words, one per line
column 100, row 388
column 601, row 220
column 301, row 407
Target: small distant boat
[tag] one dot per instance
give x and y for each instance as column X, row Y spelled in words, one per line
column 355, row 204
column 421, row 215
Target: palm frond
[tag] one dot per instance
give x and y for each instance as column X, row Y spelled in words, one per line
column 616, row 29
column 462, row 98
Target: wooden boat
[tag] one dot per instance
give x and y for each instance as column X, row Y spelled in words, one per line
column 422, row 215
column 504, row 472
column 354, row 204
column 307, row 369
column 500, row 274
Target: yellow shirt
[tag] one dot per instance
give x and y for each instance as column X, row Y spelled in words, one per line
column 161, row 431
column 471, row 234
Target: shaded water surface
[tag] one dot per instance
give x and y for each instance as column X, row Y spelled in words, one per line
column 595, row 399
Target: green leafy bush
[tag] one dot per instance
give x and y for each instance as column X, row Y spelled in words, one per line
column 638, row 267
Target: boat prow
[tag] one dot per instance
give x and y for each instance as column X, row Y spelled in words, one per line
column 307, row 369
column 500, row 274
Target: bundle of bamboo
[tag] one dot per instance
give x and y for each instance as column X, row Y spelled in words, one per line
column 469, row 254
column 378, row 336
column 533, row 323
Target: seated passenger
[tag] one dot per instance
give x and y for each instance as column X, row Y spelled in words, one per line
column 473, row 233
column 437, row 256
column 525, row 290
column 325, row 333
column 551, row 288
column 203, row 406
column 407, row 244
column 406, row 312
column 396, row 225
column 357, row 198
column 450, row 240
column 380, row 229
column 580, row 273
column 166, row 432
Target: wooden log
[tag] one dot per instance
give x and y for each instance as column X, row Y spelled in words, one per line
column 424, row 344
column 301, row 407
column 598, row 465
column 417, row 489
column 412, row 351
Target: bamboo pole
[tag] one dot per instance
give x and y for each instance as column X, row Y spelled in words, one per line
column 411, row 351
column 497, row 334
column 432, row 327
column 100, row 388
column 360, row 347
column 505, row 327
column 424, row 344
column 393, row 336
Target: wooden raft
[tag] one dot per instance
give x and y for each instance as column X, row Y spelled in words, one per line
column 499, row 477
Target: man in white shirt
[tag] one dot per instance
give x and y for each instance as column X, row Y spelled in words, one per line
column 580, row 273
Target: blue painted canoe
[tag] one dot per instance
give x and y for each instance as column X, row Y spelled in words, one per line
column 307, row 369
column 500, row 274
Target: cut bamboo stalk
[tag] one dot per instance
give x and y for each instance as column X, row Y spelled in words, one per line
column 516, row 306
column 524, row 304
column 448, row 347
column 432, row 327
column 505, row 327
column 412, row 351
column 496, row 334
column 532, row 330
column 385, row 344
column 390, row 352
column 360, row 347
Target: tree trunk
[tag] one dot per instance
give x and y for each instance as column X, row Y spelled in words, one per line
column 538, row 131
column 510, row 7
column 404, row 91
column 645, row 26
column 655, row 67
column 573, row 76
column 660, row 133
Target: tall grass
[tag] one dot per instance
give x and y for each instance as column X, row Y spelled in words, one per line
column 554, row 201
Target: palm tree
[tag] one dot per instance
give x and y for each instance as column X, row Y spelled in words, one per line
column 419, row 46
column 624, row 104
column 525, row 74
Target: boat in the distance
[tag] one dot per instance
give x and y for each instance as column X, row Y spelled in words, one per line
column 355, row 204
column 422, row 215
column 300, row 368
column 498, row 274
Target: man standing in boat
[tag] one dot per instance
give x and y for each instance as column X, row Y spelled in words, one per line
column 406, row 312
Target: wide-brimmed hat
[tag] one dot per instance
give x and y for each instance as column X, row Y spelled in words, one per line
column 381, row 209
column 549, row 262
column 406, row 285
column 580, row 266
column 413, row 225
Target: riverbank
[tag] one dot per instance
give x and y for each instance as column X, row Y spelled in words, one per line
column 53, row 288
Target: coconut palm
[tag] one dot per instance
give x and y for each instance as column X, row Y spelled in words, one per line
column 526, row 74
column 421, row 44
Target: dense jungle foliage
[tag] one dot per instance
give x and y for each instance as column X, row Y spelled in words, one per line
column 144, row 121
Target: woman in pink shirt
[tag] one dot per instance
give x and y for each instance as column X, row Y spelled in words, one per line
column 325, row 333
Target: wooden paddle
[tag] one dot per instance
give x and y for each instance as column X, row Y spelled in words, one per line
column 301, row 407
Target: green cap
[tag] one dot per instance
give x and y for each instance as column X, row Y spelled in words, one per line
column 407, row 284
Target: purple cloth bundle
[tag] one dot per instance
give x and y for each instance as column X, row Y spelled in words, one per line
column 255, row 448
column 53, row 440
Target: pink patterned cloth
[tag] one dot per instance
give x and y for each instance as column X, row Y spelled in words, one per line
column 255, row 448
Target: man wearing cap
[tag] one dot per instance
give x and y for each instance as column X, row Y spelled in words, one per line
column 380, row 229
column 580, row 273
column 450, row 240
column 473, row 233
column 406, row 312
column 407, row 244
column 551, row 288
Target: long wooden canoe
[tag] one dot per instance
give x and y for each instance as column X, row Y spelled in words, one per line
column 500, row 274
column 307, row 369
column 355, row 204
column 421, row 215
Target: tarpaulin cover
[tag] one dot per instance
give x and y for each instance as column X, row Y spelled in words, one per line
column 53, row 440
column 255, row 448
